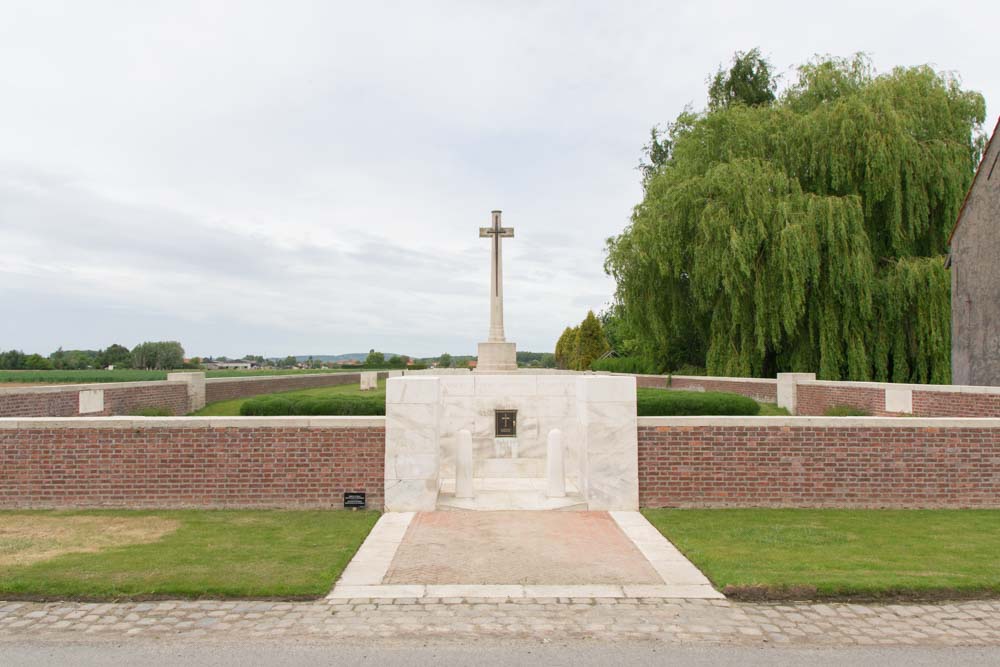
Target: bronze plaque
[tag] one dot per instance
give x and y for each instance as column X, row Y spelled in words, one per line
column 506, row 423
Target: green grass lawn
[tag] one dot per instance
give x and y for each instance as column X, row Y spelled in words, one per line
column 232, row 408
column 771, row 410
column 800, row 553
column 201, row 553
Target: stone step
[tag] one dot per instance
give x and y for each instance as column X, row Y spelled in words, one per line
column 508, row 467
column 506, row 484
column 495, row 500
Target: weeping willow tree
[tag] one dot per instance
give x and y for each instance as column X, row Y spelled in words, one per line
column 806, row 233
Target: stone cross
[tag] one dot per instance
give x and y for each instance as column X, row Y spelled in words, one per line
column 497, row 232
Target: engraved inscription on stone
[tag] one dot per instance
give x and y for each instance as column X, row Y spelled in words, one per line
column 506, row 423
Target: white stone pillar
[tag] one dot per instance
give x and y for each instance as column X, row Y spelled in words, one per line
column 555, row 467
column 609, row 441
column 369, row 380
column 787, row 392
column 195, row 388
column 463, row 465
column 412, row 455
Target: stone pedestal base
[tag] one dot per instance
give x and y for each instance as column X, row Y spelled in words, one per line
column 497, row 357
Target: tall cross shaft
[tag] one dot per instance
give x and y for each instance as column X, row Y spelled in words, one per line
column 496, row 232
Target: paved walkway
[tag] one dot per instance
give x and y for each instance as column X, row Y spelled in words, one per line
column 605, row 619
column 519, row 555
column 545, row 548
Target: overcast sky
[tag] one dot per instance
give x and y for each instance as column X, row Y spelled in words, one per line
column 309, row 177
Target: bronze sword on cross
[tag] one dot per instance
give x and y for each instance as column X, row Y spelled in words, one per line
column 497, row 232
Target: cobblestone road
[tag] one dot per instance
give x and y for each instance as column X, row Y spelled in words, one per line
column 722, row 621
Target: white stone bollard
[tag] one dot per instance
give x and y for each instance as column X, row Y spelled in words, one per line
column 555, row 467
column 463, row 465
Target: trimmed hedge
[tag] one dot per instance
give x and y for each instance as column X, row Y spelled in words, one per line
column 668, row 403
column 276, row 406
column 650, row 403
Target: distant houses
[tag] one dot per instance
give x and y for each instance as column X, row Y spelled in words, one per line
column 239, row 365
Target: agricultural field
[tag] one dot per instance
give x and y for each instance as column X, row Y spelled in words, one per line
column 132, row 375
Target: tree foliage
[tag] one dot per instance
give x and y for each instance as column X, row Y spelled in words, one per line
column 806, row 234
column 115, row 355
column 162, row 355
column 67, row 359
column 566, row 348
column 749, row 81
column 578, row 346
column 590, row 342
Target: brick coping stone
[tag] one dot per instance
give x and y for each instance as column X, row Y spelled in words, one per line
column 97, row 423
column 379, row 421
column 58, row 388
column 825, row 422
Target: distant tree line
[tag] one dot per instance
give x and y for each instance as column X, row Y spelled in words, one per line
column 377, row 359
column 164, row 355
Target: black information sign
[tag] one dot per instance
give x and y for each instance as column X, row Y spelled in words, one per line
column 506, row 423
column 354, row 500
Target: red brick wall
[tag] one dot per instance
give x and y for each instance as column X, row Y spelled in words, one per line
column 814, row 399
column 126, row 398
column 760, row 391
column 818, row 466
column 119, row 399
column 157, row 467
column 727, row 464
column 953, row 404
column 226, row 389
column 651, row 381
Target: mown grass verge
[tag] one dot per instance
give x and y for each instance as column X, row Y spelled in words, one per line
column 840, row 554
column 191, row 554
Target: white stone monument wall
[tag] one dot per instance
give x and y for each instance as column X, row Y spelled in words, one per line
column 543, row 402
column 596, row 415
column 412, row 446
column 608, row 427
